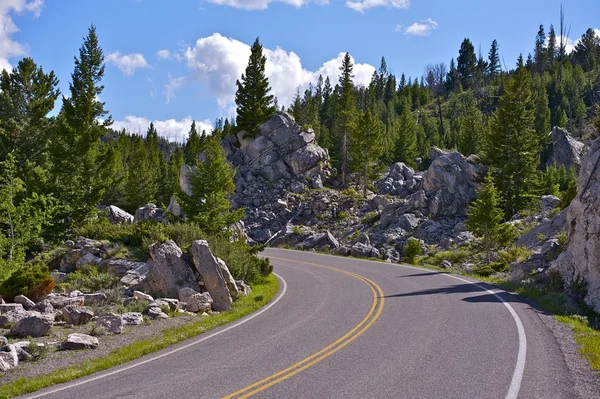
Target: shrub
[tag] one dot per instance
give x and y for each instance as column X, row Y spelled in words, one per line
column 412, row 249
column 88, row 279
column 507, row 234
column 351, row 192
column 488, row 269
column 298, row 230
column 456, row 256
column 33, row 281
column 242, row 263
column 562, row 238
column 371, row 218
column 513, row 254
column 343, row 215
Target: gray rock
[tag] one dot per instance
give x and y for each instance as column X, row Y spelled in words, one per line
column 297, row 187
column 60, row 301
column 211, row 270
column 58, row 277
column 549, row 202
column 8, row 356
column 360, row 250
column 35, row 324
column 113, row 323
column 169, row 271
column 136, row 277
column 445, row 264
column 117, row 215
column 44, row 306
column 142, row 296
column 132, row 319
column 320, row 240
column 243, row 288
column 150, row 212
column 391, row 256
column 3, row 341
column 27, row 303
column 156, row 313
column 171, row 302
column 549, row 228
column 11, row 313
column 119, row 267
column 579, row 262
column 77, row 315
column 195, row 301
column 408, row 221
column 77, row 341
column 565, row 149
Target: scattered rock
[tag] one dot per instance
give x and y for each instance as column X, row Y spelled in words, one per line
column 155, row 313
column 58, row 277
column 44, row 306
column 445, row 264
column 150, row 212
column 117, row 215
column 60, row 301
column 77, row 315
column 97, row 298
column 565, row 149
column 35, row 324
column 195, row 301
column 132, row 318
column 27, row 303
column 9, row 357
column 77, row 341
column 113, row 323
column 142, row 296
column 549, row 202
column 211, row 270
column 11, row 313
column 243, row 288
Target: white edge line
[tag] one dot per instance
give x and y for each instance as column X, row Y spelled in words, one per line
column 515, row 384
column 204, row 338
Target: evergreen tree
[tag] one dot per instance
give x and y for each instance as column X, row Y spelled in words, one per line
column 193, row 146
column 453, row 79
column 512, row 149
column 597, row 121
column 345, row 113
column 472, row 130
column 152, row 146
column 539, row 51
column 587, row 50
column 484, row 215
column 80, row 166
column 366, row 146
column 406, row 144
column 551, row 49
column 542, row 114
column 211, row 184
column 142, row 185
column 494, row 60
column 254, row 103
column 466, row 64
column 27, row 95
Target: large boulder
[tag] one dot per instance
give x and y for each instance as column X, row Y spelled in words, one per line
column 35, row 324
column 211, row 269
column 400, row 181
column 578, row 264
column 77, row 315
column 450, row 183
column 565, row 149
column 150, row 212
column 169, row 271
column 77, row 341
column 194, row 301
column 117, row 215
column 10, row 314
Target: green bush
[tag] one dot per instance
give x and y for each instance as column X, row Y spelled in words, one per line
column 488, row 269
column 33, row 281
column 298, row 230
column 517, row 253
column 562, row 238
column 88, row 279
column 242, row 263
column 371, row 218
column 343, row 215
column 412, row 249
column 456, row 256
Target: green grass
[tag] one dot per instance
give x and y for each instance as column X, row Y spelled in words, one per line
column 262, row 292
column 586, row 337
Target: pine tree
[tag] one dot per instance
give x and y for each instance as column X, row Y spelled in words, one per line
column 406, row 143
column 539, row 51
column 366, row 146
column 551, row 49
column 472, row 131
column 193, row 146
column 345, row 113
column 466, row 64
column 597, row 121
column 494, row 60
column 512, row 148
column 254, row 103
column 484, row 215
column 142, row 185
column 152, row 146
column 587, row 50
column 80, row 165
column 453, row 79
column 211, row 185
column 542, row 114
column 27, row 95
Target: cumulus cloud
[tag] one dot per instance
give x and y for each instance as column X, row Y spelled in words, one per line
column 363, row 5
column 10, row 48
column 420, row 28
column 171, row 129
column 171, row 87
column 218, row 61
column 127, row 63
column 263, row 4
column 163, row 54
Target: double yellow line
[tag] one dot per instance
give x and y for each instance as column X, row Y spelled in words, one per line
column 364, row 325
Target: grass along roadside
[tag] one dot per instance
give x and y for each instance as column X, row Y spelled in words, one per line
column 262, row 293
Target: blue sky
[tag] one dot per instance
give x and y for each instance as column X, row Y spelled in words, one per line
column 173, row 61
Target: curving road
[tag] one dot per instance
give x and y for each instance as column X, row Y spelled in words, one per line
column 346, row 328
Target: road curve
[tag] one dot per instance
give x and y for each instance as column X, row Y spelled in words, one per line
column 346, row 328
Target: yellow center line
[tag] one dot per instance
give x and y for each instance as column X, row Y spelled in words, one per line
column 357, row 331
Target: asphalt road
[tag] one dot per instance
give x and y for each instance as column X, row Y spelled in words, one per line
column 345, row 328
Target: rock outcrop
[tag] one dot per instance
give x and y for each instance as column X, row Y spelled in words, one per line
column 211, row 269
column 565, row 149
column 169, row 271
column 117, row 215
column 578, row 264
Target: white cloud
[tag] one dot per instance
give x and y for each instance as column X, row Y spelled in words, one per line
column 127, row 63
column 218, row 61
column 362, row 5
column 10, row 48
column 163, row 54
column 171, row 129
column 172, row 86
column 421, row 28
column 264, row 4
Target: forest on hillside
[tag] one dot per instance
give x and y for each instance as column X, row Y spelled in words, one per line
column 55, row 171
